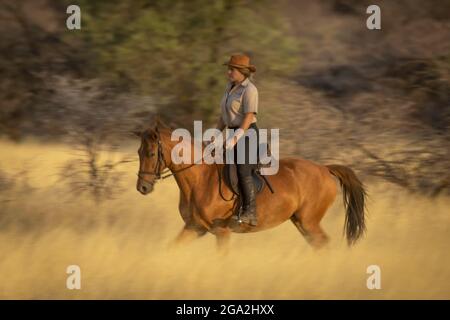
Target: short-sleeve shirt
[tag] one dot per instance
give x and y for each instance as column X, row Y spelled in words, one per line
column 238, row 101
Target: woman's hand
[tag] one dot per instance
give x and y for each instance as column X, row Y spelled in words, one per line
column 231, row 142
column 246, row 122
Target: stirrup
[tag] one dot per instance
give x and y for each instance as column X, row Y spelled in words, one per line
column 249, row 217
column 238, row 216
column 251, row 220
column 237, row 219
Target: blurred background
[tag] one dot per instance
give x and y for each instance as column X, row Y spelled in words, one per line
column 377, row 101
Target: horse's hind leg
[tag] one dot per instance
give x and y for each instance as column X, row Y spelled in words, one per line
column 311, row 230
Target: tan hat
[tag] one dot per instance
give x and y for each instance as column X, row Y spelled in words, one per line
column 240, row 61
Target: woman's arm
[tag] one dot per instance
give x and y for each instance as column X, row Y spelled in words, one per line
column 247, row 121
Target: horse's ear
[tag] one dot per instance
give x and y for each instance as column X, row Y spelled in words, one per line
column 161, row 123
column 158, row 124
column 136, row 133
column 154, row 123
column 167, row 126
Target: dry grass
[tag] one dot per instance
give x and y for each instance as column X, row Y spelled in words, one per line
column 121, row 246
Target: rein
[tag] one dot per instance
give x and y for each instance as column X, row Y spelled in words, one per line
column 163, row 174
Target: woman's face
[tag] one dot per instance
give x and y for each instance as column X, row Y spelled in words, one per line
column 234, row 75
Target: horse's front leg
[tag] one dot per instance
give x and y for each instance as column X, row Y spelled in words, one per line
column 223, row 240
column 188, row 233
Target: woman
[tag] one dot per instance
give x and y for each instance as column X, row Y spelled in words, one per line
column 239, row 107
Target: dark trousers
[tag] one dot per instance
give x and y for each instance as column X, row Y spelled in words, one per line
column 246, row 169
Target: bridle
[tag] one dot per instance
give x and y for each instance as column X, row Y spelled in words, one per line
column 158, row 172
column 161, row 174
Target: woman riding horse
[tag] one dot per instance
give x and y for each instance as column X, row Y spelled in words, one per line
column 239, row 107
column 305, row 189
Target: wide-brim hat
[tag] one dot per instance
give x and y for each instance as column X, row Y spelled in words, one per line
column 240, row 61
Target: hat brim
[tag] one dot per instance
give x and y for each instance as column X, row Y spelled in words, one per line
column 251, row 67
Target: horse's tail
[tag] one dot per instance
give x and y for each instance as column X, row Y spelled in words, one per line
column 354, row 198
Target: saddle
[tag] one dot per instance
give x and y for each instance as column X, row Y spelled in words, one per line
column 230, row 177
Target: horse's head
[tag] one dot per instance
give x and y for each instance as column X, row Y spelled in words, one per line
column 151, row 159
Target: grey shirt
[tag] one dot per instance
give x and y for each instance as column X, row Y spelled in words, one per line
column 238, row 101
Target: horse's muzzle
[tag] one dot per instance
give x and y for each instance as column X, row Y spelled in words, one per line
column 144, row 187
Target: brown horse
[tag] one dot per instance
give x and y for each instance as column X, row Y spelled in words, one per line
column 303, row 193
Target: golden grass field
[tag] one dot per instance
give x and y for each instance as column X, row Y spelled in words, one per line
column 121, row 245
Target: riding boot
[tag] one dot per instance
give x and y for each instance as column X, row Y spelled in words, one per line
column 249, row 211
column 236, row 217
